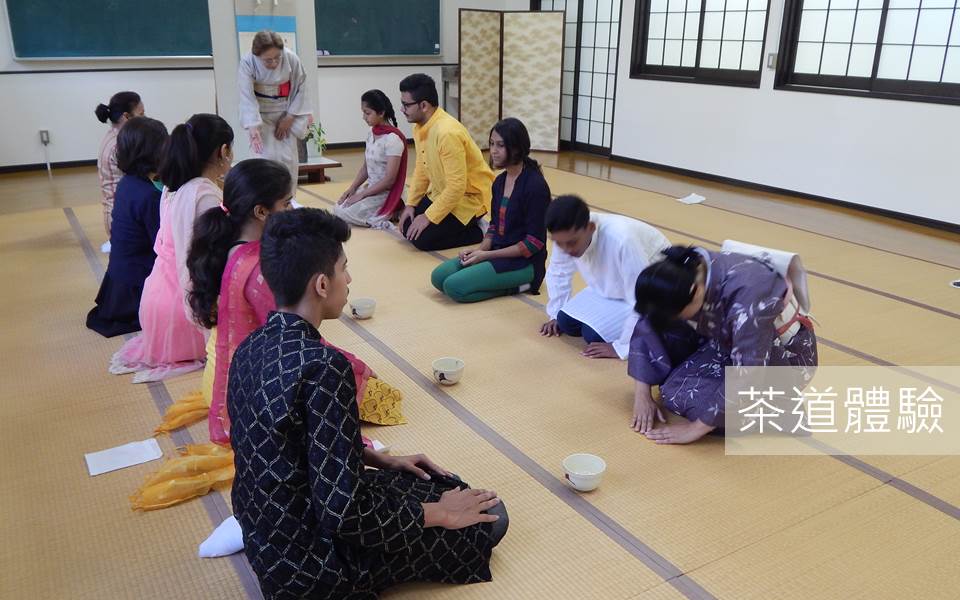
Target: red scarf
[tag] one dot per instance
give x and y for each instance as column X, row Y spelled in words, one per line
column 394, row 198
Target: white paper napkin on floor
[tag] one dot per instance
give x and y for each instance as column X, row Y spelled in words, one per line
column 123, row 456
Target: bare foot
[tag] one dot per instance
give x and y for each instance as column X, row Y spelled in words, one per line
column 680, row 432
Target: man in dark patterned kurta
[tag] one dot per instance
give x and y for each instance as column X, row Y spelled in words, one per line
column 316, row 522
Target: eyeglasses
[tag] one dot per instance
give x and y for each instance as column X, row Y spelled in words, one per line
column 409, row 104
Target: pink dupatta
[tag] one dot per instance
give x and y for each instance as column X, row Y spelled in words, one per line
column 245, row 301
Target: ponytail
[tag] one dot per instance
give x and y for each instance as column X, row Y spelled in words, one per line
column 213, row 234
column 121, row 103
column 190, row 147
column 254, row 182
column 103, row 112
column 664, row 288
column 530, row 163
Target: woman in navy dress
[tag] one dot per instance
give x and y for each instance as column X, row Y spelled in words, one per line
column 135, row 221
column 513, row 254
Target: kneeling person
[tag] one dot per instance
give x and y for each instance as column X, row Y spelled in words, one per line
column 450, row 188
column 609, row 251
column 513, row 255
column 316, row 521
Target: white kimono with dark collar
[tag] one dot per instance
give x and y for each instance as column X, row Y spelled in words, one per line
column 263, row 103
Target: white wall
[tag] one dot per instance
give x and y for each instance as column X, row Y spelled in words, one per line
column 63, row 103
column 340, row 91
column 890, row 154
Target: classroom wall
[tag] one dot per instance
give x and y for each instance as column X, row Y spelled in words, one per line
column 889, row 154
column 63, row 103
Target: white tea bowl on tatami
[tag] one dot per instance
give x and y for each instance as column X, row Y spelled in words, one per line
column 448, row 370
column 362, row 308
column 584, row 471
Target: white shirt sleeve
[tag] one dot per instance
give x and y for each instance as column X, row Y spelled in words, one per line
column 559, row 277
column 632, row 262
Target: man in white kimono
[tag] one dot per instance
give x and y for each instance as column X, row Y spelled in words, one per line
column 609, row 251
column 273, row 102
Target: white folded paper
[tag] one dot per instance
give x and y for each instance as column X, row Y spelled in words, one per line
column 692, row 199
column 123, row 456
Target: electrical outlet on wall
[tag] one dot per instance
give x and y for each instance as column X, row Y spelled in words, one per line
column 44, row 136
column 772, row 60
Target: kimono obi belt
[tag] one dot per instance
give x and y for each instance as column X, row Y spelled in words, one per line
column 274, row 92
column 791, row 318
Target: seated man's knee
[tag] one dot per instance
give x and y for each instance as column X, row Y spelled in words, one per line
column 498, row 528
column 590, row 336
column 425, row 241
column 568, row 325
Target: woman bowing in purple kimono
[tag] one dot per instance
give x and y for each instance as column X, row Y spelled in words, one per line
column 701, row 311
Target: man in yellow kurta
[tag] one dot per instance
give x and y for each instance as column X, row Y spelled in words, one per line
column 452, row 182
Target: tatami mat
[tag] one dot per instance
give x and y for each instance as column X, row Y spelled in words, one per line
column 695, row 508
column 764, row 495
column 67, row 534
column 764, row 527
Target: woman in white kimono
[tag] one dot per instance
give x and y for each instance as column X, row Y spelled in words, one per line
column 273, row 102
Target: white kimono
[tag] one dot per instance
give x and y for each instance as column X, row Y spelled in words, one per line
column 620, row 249
column 262, row 104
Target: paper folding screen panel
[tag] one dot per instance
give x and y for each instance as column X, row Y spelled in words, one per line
column 532, row 68
column 511, row 65
column 480, row 72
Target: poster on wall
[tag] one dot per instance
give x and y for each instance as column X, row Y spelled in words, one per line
column 249, row 25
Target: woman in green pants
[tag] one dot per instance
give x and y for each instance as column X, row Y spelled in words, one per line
column 512, row 257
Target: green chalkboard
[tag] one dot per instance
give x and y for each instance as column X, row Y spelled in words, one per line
column 104, row 28
column 378, row 27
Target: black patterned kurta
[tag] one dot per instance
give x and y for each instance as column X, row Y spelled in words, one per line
column 316, row 523
column 735, row 327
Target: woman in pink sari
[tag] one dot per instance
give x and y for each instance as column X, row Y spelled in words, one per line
column 228, row 290
column 197, row 155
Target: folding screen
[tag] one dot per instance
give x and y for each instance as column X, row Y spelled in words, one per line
column 510, row 66
column 480, row 37
column 532, row 68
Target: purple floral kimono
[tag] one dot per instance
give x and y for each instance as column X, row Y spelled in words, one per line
column 735, row 328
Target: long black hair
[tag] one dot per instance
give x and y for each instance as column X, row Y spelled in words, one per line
column 139, row 144
column 378, row 102
column 517, row 141
column 664, row 288
column 190, row 147
column 251, row 183
column 120, row 103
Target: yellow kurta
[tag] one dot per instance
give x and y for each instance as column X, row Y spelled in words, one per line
column 450, row 170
